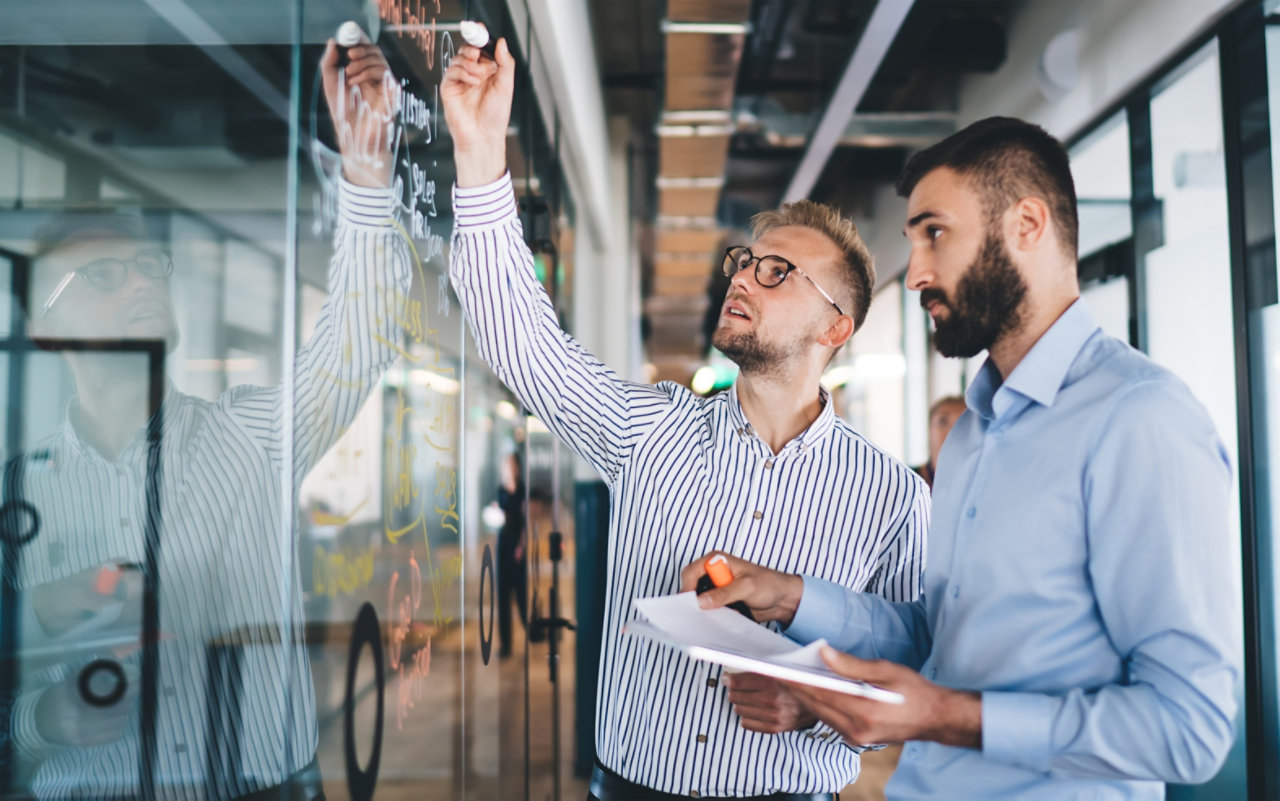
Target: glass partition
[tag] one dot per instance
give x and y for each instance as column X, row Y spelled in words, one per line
column 267, row 518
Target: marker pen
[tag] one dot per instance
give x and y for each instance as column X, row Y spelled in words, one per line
column 349, row 34
column 477, row 35
column 718, row 575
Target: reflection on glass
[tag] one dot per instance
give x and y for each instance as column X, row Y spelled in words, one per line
column 1108, row 302
column 160, row 650
column 1100, row 167
column 1188, row 285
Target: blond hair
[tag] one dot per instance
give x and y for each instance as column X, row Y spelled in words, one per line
column 859, row 274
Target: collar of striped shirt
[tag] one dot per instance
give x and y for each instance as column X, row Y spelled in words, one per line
column 818, row 429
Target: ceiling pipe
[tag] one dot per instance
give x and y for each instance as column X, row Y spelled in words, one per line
column 886, row 20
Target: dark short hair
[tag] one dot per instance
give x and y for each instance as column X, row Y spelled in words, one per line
column 858, row 275
column 1005, row 160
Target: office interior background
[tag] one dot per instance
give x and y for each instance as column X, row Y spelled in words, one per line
column 644, row 136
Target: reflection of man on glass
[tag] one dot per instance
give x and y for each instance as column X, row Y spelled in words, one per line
column 512, row 574
column 766, row 467
column 228, row 589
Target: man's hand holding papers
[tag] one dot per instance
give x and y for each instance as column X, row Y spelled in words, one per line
column 729, row 639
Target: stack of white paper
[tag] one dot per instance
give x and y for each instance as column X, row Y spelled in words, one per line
column 727, row 638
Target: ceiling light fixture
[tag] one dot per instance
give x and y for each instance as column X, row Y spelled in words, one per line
column 720, row 28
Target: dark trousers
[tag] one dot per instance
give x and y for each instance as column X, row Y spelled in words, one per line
column 512, row 580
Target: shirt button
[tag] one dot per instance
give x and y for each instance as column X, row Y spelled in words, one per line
column 955, row 591
column 702, row 738
column 124, row 521
column 972, row 513
column 169, row 692
column 712, row 682
column 180, row 748
column 757, row 515
column 768, row 465
column 933, row 673
column 695, row 794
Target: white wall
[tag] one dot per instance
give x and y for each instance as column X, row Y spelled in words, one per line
column 1121, row 42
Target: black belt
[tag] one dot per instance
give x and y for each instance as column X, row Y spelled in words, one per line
column 609, row 786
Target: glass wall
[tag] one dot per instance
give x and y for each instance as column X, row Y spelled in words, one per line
column 267, row 518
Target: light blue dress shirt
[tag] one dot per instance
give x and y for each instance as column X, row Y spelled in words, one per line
column 1080, row 575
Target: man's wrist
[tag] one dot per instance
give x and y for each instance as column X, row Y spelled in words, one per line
column 793, row 593
column 373, row 172
column 959, row 719
column 480, row 165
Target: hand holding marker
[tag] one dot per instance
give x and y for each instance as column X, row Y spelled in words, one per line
column 718, row 575
column 349, row 34
column 477, row 35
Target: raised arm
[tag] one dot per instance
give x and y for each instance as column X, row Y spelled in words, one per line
column 356, row 336
column 515, row 326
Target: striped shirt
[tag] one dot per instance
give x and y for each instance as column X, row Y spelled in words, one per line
column 224, row 566
column 688, row 475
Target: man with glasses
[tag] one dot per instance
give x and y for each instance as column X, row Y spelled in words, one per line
column 234, row 713
column 766, row 468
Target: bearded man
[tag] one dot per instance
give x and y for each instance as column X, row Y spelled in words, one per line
column 1079, row 634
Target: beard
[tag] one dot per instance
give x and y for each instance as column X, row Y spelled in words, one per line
column 987, row 305
column 751, row 354
column 745, row 350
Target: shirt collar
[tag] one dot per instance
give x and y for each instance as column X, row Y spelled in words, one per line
column 1040, row 374
column 819, row 427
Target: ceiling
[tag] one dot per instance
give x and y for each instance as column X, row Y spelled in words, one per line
column 725, row 98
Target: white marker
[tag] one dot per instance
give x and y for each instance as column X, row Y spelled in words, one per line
column 349, row 34
column 477, row 35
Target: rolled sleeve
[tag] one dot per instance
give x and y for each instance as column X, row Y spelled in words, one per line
column 1016, row 728
column 486, row 206
column 364, row 206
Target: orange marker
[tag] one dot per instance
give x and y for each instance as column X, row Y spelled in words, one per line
column 718, row 575
column 108, row 578
column 717, row 568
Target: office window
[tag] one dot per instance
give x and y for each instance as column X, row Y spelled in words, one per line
column 1187, row 298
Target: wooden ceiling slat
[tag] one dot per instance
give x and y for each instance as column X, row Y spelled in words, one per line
column 708, row 10
column 702, row 69
column 680, row 285
column 692, row 156
column 700, row 268
column 697, row 243
column 677, row 304
column 681, row 202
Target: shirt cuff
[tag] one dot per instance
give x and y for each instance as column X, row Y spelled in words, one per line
column 30, row 745
column 1016, row 728
column 365, row 206
column 821, row 603
column 476, row 207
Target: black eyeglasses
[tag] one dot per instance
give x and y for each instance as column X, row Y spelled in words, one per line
column 770, row 270
column 108, row 274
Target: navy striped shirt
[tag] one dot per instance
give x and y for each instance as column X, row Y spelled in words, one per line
column 224, row 564
column 688, row 475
